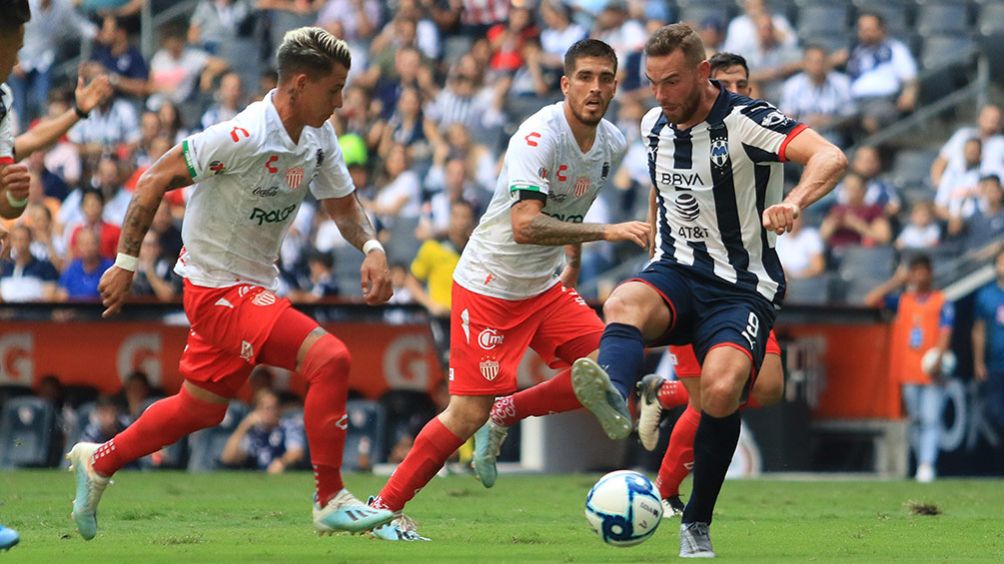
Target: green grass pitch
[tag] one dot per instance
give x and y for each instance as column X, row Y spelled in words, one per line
column 246, row 517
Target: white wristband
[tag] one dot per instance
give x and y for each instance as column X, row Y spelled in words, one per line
column 126, row 262
column 14, row 202
column 372, row 245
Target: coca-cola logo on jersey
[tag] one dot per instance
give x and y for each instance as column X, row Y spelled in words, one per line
column 263, row 192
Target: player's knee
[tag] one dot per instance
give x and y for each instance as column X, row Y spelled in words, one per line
column 618, row 310
column 466, row 414
column 328, row 358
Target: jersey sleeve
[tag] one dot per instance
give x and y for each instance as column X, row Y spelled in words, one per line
column 225, row 148
column 767, row 130
column 527, row 159
column 6, row 126
column 333, row 179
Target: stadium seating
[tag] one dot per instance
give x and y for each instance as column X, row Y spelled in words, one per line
column 895, row 12
column 25, row 432
column 942, row 17
column 348, row 261
column 864, row 268
column 364, row 444
column 207, row 445
column 406, row 244
column 808, row 291
column 945, row 49
column 991, row 18
column 831, row 18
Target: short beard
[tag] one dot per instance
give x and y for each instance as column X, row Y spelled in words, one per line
column 690, row 108
column 587, row 121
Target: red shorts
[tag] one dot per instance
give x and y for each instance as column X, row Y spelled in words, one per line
column 489, row 336
column 229, row 329
column 686, row 361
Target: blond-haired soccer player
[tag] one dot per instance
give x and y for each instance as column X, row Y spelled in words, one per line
column 253, row 173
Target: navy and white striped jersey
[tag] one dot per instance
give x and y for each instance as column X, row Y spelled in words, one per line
column 713, row 182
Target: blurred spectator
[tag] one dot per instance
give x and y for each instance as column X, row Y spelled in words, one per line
column 400, row 194
column 229, row 101
column 558, row 33
column 615, row 27
column 24, row 278
column 218, row 23
column 106, row 421
column 923, row 323
column 356, row 19
column 426, row 30
column 409, row 127
column 124, row 64
column 449, row 184
column 171, row 123
column 855, row 222
column 287, row 15
column 458, row 142
column 263, row 440
column 819, row 96
column 741, row 36
column 410, row 72
column 986, row 225
column 402, row 294
column 52, row 23
column 321, row 282
column 178, row 71
column 507, row 40
column 398, row 34
column 268, row 80
column 478, row 16
column 922, row 232
column 867, row 163
column 168, row 235
column 149, row 129
column 136, row 394
column 801, row 251
column 430, row 281
column 155, row 274
column 883, row 74
column 108, row 179
column 958, row 192
column 129, row 9
column 62, row 160
column 51, row 390
column 988, row 344
column 988, row 131
column 712, row 32
column 93, row 203
column 80, row 279
column 111, row 124
column 771, row 61
column 466, row 102
column 46, row 242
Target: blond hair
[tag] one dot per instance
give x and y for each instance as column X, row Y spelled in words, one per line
column 312, row 51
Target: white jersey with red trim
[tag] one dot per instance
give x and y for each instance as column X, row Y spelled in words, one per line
column 251, row 179
column 542, row 157
column 6, row 125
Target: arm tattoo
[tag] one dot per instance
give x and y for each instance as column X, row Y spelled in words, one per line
column 352, row 222
column 137, row 222
column 545, row 230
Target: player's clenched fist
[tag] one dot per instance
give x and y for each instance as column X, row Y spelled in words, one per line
column 780, row 218
column 14, row 180
column 635, row 231
column 114, row 287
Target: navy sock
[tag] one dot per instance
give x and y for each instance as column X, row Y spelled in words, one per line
column 622, row 351
column 714, row 445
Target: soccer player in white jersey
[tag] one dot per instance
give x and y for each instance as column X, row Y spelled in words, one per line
column 507, row 294
column 14, row 178
column 252, row 174
column 714, row 281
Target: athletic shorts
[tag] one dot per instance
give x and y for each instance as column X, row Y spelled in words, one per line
column 686, row 362
column 710, row 313
column 489, row 336
column 229, row 329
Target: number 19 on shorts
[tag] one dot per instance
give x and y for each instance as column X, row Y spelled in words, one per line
column 751, row 330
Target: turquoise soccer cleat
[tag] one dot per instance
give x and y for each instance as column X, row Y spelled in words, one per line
column 487, row 442
column 8, row 538
column 346, row 513
column 90, row 486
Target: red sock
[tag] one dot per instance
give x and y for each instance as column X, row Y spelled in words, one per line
column 679, row 458
column 553, row 396
column 433, row 445
column 162, row 424
column 672, row 393
column 326, row 369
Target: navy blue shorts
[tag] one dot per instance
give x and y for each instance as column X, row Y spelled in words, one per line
column 710, row 313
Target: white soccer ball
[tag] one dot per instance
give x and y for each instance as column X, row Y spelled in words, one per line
column 624, row 508
column 948, row 362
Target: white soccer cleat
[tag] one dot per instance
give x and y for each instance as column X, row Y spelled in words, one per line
column 925, row 473
column 90, row 486
column 487, row 443
column 346, row 513
column 672, row 507
column 650, row 410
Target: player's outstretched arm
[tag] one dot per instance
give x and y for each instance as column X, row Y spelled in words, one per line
column 168, row 173
column 87, row 97
column 530, row 226
column 355, row 226
column 824, row 164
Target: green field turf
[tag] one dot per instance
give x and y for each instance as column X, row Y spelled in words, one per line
column 247, row 517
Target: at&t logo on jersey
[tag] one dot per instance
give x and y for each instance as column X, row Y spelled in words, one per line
column 273, row 216
column 490, row 338
column 686, row 207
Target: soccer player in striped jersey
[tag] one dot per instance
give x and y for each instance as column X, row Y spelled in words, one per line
column 252, row 172
column 714, row 280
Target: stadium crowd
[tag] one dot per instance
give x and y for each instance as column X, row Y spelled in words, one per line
column 435, row 87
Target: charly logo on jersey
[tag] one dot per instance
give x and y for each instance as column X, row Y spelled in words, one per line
column 294, row 177
column 719, row 152
column 272, row 216
column 686, row 207
column 490, row 338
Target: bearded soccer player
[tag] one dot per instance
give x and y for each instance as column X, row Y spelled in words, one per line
column 715, row 280
column 506, row 293
column 252, row 174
